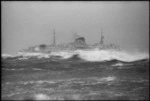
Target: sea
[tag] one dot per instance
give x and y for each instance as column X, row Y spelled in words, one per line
column 75, row 75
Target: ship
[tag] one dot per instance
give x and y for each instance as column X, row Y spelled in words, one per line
column 79, row 43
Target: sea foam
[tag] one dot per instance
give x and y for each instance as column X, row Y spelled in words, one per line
column 93, row 55
column 107, row 55
column 7, row 56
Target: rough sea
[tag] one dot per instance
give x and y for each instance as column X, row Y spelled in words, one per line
column 79, row 75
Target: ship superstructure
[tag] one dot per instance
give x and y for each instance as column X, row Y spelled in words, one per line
column 78, row 43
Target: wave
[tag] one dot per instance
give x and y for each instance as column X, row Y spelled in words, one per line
column 108, row 55
column 94, row 55
column 118, row 64
column 13, row 69
column 64, row 54
column 103, row 55
column 7, row 56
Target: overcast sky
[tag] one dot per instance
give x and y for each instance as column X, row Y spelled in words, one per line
column 27, row 23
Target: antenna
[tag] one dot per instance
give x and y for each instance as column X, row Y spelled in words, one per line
column 54, row 41
column 102, row 37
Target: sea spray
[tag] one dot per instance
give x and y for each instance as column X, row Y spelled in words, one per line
column 7, row 56
column 107, row 55
column 94, row 55
column 64, row 54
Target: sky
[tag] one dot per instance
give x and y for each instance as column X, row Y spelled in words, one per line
column 29, row 23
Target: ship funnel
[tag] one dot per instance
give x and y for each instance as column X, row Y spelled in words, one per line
column 75, row 36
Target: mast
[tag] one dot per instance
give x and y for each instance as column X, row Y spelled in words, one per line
column 54, row 41
column 102, row 37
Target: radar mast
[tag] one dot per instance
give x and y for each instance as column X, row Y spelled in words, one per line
column 54, row 41
column 102, row 37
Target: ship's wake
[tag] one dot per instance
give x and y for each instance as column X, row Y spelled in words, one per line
column 94, row 55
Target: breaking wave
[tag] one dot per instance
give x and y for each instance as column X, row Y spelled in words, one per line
column 94, row 55
column 108, row 55
column 7, row 56
column 118, row 64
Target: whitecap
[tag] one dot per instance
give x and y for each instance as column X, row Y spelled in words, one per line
column 107, row 55
column 41, row 97
column 5, row 56
column 92, row 55
column 118, row 64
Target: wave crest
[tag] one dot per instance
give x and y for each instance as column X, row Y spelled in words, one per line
column 94, row 55
column 108, row 55
column 7, row 56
